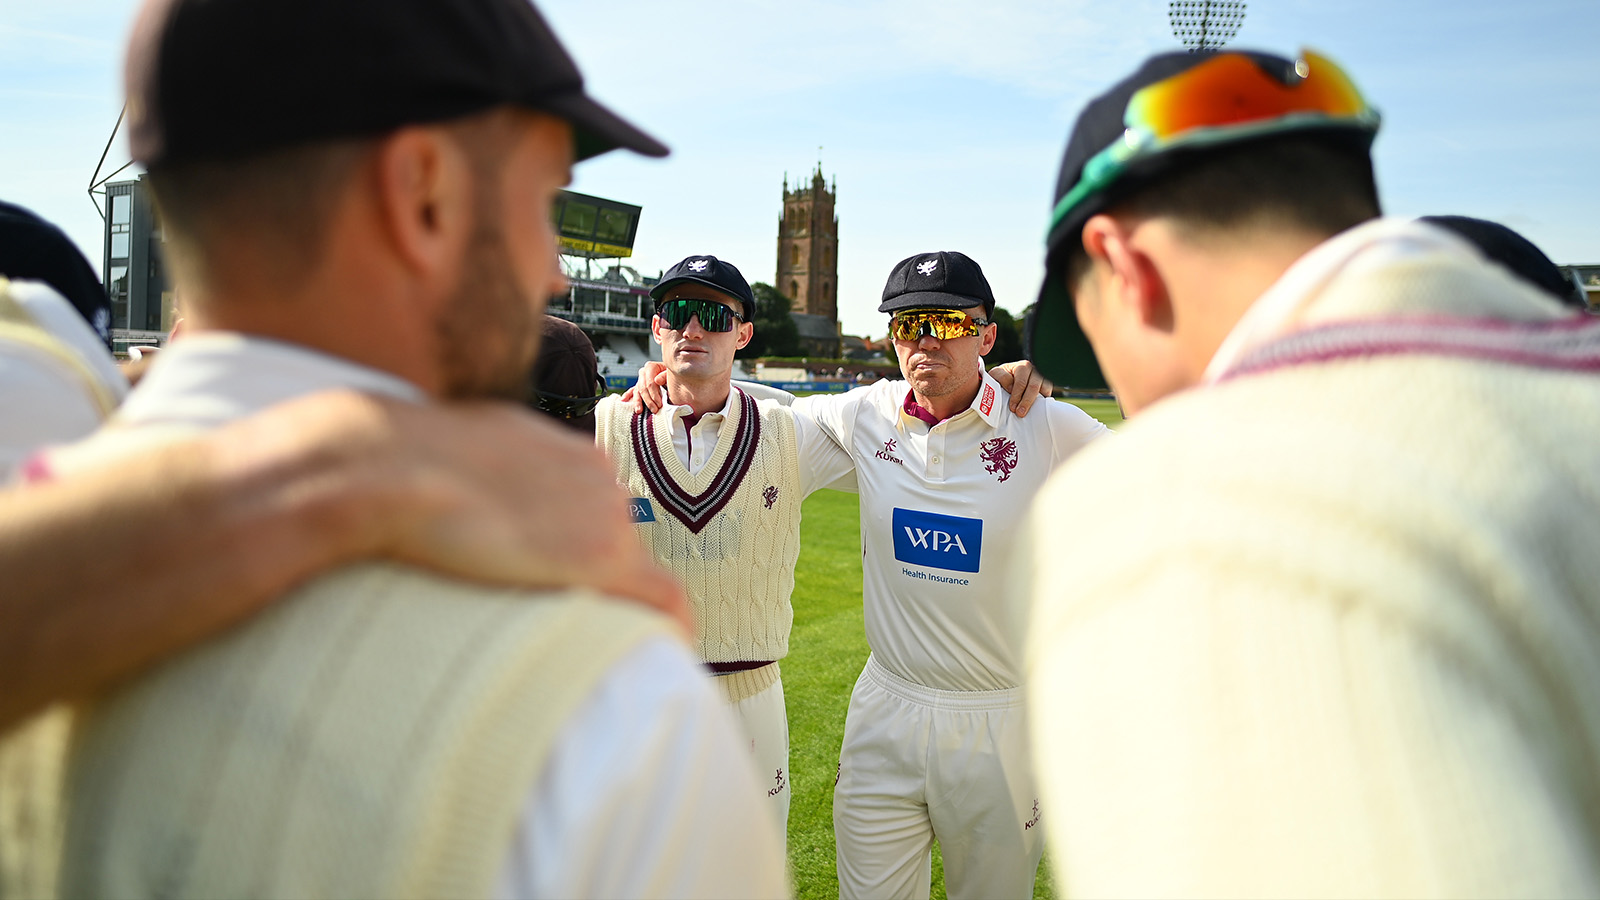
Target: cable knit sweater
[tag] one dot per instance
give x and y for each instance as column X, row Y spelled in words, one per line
column 1333, row 626
column 731, row 532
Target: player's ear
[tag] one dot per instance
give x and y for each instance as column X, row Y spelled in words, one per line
column 1133, row 283
column 655, row 328
column 423, row 189
column 747, row 331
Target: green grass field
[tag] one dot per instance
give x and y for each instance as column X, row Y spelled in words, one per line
column 826, row 652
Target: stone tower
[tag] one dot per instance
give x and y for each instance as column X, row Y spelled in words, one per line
column 808, row 248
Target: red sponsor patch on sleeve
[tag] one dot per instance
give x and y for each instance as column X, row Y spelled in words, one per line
column 988, row 399
column 35, row 470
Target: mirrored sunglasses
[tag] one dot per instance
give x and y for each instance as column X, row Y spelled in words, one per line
column 713, row 316
column 1225, row 99
column 944, row 324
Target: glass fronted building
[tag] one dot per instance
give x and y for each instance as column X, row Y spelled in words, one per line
column 135, row 277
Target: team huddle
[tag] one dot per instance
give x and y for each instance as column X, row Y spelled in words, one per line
column 1322, row 619
column 935, row 746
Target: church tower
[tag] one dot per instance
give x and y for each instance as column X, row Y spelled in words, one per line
column 808, row 248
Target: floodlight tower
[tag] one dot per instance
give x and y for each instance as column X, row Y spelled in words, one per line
column 1205, row 24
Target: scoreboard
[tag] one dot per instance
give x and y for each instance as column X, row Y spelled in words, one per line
column 595, row 227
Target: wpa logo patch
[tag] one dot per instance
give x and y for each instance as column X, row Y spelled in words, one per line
column 938, row 542
column 699, row 265
column 640, row 510
column 927, row 267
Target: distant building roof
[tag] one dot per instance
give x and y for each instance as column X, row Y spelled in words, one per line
column 810, row 326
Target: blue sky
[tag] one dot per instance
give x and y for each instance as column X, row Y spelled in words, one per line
column 942, row 122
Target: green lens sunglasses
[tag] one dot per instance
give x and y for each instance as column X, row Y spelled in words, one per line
column 713, row 316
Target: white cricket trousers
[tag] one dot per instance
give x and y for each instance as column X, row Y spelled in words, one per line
column 765, row 723
column 919, row 764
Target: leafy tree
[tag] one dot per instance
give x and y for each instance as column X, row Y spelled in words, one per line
column 776, row 334
column 1008, row 342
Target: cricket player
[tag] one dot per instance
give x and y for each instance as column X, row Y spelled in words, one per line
column 356, row 194
column 1334, row 626
column 717, row 481
column 935, row 745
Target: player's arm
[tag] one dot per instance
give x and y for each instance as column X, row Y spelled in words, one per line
column 648, row 792
column 110, row 570
column 823, row 459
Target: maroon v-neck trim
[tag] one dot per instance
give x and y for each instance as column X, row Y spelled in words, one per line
column 695, row 511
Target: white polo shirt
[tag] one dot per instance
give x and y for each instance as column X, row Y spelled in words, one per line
column 940, row 510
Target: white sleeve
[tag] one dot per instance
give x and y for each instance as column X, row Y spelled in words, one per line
column 648, row 792
column 825, row 460
column 1071, row 428
column 760, row 391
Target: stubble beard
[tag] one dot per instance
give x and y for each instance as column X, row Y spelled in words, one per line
column 489, row 333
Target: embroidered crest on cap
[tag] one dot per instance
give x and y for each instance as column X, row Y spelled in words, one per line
column 699, row 265
column 926, row 267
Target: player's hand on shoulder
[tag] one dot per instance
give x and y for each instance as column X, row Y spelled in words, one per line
column 645, row 396
column 1023, row 382
column 488, row 492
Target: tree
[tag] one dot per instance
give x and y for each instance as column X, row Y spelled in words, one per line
column 1008, row 342
column 776, row 334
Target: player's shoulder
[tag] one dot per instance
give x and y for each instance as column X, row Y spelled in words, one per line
column 775, row 414
column 887, row 393
column 763, row 393
column 1058, row 421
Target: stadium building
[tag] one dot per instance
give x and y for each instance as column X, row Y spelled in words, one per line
column 132, row 269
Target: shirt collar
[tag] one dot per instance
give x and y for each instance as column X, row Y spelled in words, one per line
column 686, row 412
column 988, row 404
column 1281, row 307
column 207, row 378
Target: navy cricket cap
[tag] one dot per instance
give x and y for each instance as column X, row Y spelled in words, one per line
column 942, row 280
column 713, row 273
column 1055, row 341
column 32, row 248
column 1502, row 245
column 220, row 79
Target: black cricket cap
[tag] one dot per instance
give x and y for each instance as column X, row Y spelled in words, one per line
column 1510, row 249
column 942, row 280
column 1054, row 339
column 220, row 79
column 713, row 273
column 32, row 248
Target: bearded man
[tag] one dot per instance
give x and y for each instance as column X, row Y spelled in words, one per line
column 356, row 194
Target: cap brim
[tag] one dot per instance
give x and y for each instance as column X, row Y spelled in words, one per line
column 598, row 130
column 1055, row 341
column 933, row 300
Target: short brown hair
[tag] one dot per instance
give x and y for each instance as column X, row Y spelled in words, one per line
column 1302, row 181
column 282, row 198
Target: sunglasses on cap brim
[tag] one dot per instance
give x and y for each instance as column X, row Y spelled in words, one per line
column 944, row 324
column 713, row 316
column 563, row 406
column 1225, row 99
